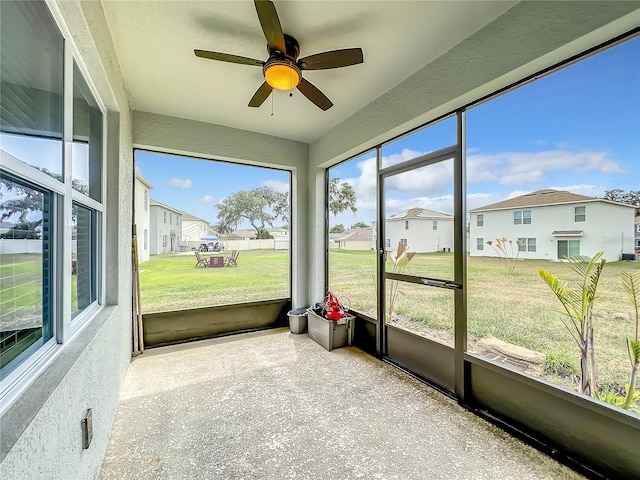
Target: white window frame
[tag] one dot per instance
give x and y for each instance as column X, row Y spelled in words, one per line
column 435, row 225
column 528, row 244
column 480, row 220
column 479, row 243
column 521, row 220
column 583, row 214
column 64, row 329
column 406, row 224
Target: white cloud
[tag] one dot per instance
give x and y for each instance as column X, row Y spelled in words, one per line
column 277, row 185
column 180, row 183
column 517, row 168
column 206, row 199
column 430, row 180
column 534, row 176
column 582, row 189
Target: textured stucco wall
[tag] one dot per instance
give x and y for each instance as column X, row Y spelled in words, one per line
column 41, row 428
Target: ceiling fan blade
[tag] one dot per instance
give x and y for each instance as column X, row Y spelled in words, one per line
column 270, row 24
column 316, row 96
column 261, row 95
column 332, row 59
column 226, row 57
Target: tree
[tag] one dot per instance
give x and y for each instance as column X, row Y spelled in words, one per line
column 578, row 313
column 632, row 197
column 259, row 206
column 26, row 200
column 339, row 228
column 341, row 197
column 360, row 225
column 22, row 230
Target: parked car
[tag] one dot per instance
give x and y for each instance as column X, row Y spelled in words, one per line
column 211, row 247
column 215, row 246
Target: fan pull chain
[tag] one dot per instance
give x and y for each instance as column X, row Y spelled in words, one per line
column 272, row 95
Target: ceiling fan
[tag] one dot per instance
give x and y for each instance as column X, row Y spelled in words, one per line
column 283, row 69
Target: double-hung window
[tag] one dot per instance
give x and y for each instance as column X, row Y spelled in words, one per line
column 527, row 244
column 522, row 217
column 480, row 220
column 51, row 190
column 580, row 214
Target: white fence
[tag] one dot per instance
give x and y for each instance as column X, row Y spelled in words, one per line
column 264, row 244
column 20, row 246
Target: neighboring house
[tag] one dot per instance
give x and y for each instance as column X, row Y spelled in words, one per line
column 193, row 228
column 142, row 195
column 421, row 230
column 278, row 232
column 554, row 224
column 166, row 229
column 636, row 239
column 281, row 240
column 356, row 239
column 244, row 234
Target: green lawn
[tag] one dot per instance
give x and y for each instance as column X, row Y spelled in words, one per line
column 20, row 290
column 516, row 307
column 170, row 282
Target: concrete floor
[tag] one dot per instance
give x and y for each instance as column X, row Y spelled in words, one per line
column 273, row 405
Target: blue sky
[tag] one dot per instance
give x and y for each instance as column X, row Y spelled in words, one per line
column 577, row 129
column 196, row 186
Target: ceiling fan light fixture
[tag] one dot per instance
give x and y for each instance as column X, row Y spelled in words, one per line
column 282, row 74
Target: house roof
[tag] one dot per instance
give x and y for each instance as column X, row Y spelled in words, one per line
column 192, row 218
column 143, row 180
column 419, row 214
column 544, row 197
column 357, row 235
column 153, row 203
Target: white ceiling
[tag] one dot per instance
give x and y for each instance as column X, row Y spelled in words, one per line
column 155, row 42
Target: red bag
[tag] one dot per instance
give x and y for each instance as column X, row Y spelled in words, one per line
column 333, row 308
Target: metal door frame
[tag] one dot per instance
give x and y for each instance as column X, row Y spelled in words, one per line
column 457, row 153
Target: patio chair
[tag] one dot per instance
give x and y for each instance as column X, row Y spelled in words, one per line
column 232, row 260
column 201, row 261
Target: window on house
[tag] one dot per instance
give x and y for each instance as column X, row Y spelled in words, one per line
column 36, row 309
column 26, row 302
column 146, row 200
column 479, row 243
column 164, row 216
column 527, row 244
column 87, row 139
column 480, row 220
column 170, row 218
column 146, row 239
column 164, row 241
column 435, row 225
column 403, row 241
column 83, row 258
column 568, row 249
column 580, row 214
column 387, row 243
column 406, row 224
column 522, row 217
